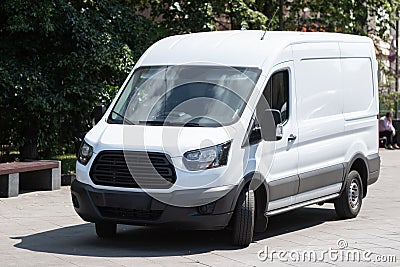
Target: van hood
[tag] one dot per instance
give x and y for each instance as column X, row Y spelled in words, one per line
column 174, row 141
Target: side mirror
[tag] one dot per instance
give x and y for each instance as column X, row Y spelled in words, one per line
column 276, row 114
column 271, row 126
column 97, row 113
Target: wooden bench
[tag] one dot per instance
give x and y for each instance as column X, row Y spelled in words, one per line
column 34, row 175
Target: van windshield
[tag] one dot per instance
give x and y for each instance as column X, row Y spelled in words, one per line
column 199, row 96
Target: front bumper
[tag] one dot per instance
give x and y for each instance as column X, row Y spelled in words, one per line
column 138, row 208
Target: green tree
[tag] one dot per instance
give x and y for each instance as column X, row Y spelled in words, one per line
column 59, row 58
column 347, row 16
column 177, row 17
column 252, row 12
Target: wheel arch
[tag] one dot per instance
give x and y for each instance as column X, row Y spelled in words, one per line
column 359, row 163
column 258, row 184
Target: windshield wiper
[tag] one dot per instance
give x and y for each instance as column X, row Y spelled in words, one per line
column 124, row 119
column 152, row 122
column 171, row 123
column 192, row 124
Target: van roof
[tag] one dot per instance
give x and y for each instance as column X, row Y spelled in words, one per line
column 233, row 48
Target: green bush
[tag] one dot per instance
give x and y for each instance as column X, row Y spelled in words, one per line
column 67, row 163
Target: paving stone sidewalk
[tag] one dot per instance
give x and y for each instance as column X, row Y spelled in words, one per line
column 42, row 229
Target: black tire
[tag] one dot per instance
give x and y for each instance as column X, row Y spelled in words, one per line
column 243, row 219
column 106, row 229
column 260, row 223
column 349, row 203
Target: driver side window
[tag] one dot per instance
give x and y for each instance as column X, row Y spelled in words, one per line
column 277, row 93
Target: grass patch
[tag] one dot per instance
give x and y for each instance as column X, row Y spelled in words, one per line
column 67, row 163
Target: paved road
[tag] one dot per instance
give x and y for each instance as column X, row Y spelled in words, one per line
column 42, row 229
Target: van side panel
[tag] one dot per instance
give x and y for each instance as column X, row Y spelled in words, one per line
column 320, row 119
column 358, row 93
column 360, row 99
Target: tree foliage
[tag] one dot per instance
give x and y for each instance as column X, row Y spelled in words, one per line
column 58, row 58
column 347, row 16
column 252, row 13
column 176, row 17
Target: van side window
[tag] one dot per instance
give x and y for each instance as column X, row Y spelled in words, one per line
column 277, row 93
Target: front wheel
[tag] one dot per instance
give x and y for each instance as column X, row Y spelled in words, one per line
column 243, row 219
column 348, row 205
column 106, row 229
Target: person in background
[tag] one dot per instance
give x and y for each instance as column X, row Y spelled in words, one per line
column 387, row 130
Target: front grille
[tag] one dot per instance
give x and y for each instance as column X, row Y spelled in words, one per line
column 133, row 169
column 132, row 214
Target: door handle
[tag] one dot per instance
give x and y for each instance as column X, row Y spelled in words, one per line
column 292, row 137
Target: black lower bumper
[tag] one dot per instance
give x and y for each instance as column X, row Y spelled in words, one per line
column 138, row 208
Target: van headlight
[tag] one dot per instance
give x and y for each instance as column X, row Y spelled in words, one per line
column 207, row 158
column 85, row 153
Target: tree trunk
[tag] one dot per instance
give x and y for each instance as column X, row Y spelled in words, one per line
column 29, row 151
column 30, row 135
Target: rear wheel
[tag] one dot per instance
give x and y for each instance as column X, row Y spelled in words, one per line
column 348, row 205
column 106, row 229
column 243, row 218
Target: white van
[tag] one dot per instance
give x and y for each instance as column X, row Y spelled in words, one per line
column 225, row 129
